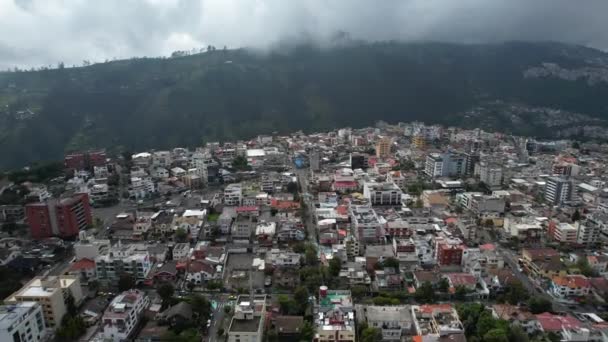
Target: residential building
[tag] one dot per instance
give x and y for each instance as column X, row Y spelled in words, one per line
column 396, row 177
column 405, row 251
column 315, row 160
column 123, row 259
column 542, row 262
column 481, row 261
column 288, row 328
column 570, row 286
column 141, row 187
column 558, row 190
column 51, row 293
column 233, row 194
column 385, row 193
column 249, row 318
column 437, row 322
column 564, row 232
column 590, row 229
column 243, row 227
column 84, row 160
column 419, row 141
column 11, row 213
column 383, row 147
column 365, row 223
column 490, row 175
column 445, row 165
column 359, row 161
column 84, row 269
column 515, row 316
column 123, row 315
column 394, row 321
column 62, row 218
column 334, row 316
column 22, row 322
column 448, row 251
column 181, row 251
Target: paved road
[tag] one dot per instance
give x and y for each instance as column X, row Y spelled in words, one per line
column 511, row 259
column 221, row 301
column 303, row 175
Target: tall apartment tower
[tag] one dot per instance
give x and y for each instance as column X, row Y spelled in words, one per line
column 383, row 147
column 558, row 190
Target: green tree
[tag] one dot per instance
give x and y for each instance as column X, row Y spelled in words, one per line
column 370, row 334
column 288, row 305
column 358, row 291
column 300, row 296
column 181, row 235
column 71, row 328
column 425, row 293
column 391, row 262
column 227, row 309
column 307, row 332
column 310, row 255
column 201, row 306
column 444, row 285
column 460, row 292
column 584, row 267
column 126, row 282
column 516, row 293
column 240, row 164
column 496, row 335
column 335, row 265
column 539, row 305
column 517, row 334
column 165, row 291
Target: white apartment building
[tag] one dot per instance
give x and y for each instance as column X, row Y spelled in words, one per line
column 162, row 159
column 490, row 175
column 123, row 259
column 590, row 230
column 366, row 224
column 394, row 321
column 445, row 165
column 22, row 322
column 141, row 187
column 123, row 315
column 233, row 194
column 247, row 324
column 385, row 193
column 181, row 251
column 565, row 233
column 572, row 285
column 89, row 247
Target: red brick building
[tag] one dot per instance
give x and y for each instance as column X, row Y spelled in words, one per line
column 62, row 218
column 449, row 254
column 84, row 160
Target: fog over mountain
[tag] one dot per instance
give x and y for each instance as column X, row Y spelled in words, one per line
column 45, row 32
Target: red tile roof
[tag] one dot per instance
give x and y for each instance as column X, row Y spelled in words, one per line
column 551, row 322
column 83, row 264
column 572, row 281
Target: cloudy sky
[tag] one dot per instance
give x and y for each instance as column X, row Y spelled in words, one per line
column 43, row 32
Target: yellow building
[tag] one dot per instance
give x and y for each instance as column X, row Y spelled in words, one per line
column 383, row 147
column 419, row 141
column 51, row 293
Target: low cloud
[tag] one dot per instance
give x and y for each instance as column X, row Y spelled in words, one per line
column 45, row 32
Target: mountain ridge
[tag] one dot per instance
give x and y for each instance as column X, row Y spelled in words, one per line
column 230, row 94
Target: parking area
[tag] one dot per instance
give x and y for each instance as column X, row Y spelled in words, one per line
column 238, row 270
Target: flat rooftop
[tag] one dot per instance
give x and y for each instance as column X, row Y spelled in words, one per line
column 245, row 325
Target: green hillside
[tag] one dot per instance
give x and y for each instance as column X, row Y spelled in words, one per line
column 155, row 103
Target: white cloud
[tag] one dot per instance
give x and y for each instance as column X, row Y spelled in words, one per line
column 42, row 32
